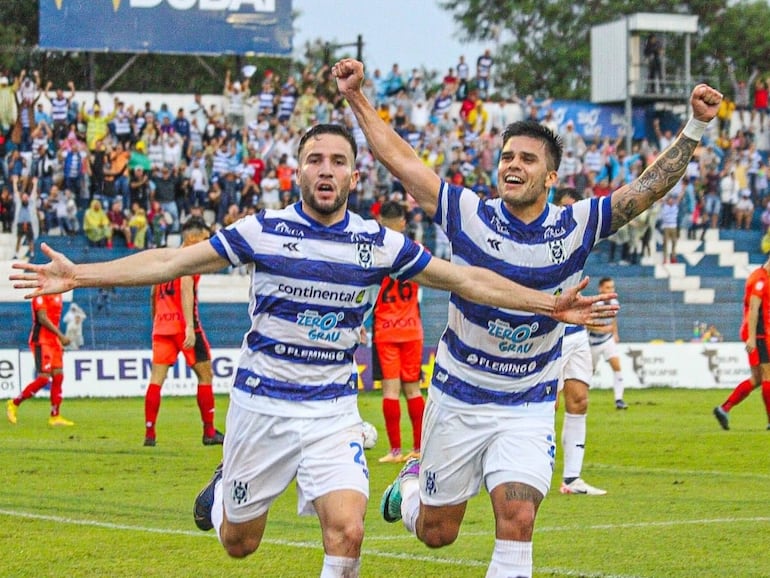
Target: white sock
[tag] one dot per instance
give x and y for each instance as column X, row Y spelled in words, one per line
column 339, row 567
column 410, row 504
column 617, row 385
column 218, row 509
column 511, row 559
column 573, row 441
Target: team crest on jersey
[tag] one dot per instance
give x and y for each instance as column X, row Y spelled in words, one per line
column 240, row 492
column 364, row 255
column 557, row 251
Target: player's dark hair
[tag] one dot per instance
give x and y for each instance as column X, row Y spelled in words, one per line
column 321, row 129
column 195, row 224
column 604, row 280
column 567, row 192
column 533, row 129
column 392, row 210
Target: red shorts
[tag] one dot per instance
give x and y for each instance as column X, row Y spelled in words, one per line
column 401, row 360
column 760, row 355
column 48, row 356
column 166, row 348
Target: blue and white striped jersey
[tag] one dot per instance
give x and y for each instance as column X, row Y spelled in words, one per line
column 312, row 287
column 503, row 359
column 596, row 338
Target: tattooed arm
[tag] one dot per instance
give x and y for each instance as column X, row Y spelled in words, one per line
column 634, row 198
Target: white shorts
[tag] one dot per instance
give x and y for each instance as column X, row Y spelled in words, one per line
column 576, row 358
column 606, row 350
column 459, row 450
column 264, row 453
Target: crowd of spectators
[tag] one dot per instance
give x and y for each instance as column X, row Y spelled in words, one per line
column 109, row 170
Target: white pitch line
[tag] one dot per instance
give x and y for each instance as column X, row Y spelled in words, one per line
column 598, row 527
column 678, row 472
column 307, row 545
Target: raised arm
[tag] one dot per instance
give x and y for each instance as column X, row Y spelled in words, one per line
column 488, row 288
column 632, row 199
column 389, row 148
column 145, row 268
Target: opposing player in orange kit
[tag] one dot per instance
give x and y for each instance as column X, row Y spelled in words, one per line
column 47, row 343
column 176, row 329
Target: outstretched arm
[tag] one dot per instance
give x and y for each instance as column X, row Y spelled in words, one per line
column 488, row 288
column 389, row 148
column 637, row 196
column 145, row 268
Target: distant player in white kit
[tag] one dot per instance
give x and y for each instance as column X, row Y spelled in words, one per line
column 603, row 337
column 576, row 374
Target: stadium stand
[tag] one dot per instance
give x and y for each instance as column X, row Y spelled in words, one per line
column 655, row 303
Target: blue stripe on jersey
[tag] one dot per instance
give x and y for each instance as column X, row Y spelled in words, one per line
column 570, row 329
column 293, row 311
column 411, row 259
column 500, row 365
column 316, row 270
column 237, row 243
column 253, row 384
column 299, row 353
column 540, row 278
column 599, row 338
column 501, row 233
column 474, row 395
column 605, row 205
column 485, row 316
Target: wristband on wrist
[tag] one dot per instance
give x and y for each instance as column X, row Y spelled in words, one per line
column 694, row 128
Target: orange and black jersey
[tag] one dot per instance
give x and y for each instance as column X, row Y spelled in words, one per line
column 52, row 305
column 169, row 313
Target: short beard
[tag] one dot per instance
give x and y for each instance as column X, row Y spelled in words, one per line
column 325, row 209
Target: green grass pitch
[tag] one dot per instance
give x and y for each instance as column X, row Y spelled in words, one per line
column 686, row 499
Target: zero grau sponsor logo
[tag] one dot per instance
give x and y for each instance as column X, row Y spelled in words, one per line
column 512, row 339
column 324, row 295
column 322, row 327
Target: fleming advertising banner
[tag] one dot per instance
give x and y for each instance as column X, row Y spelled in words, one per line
column 168, row 26
column 127, row 373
